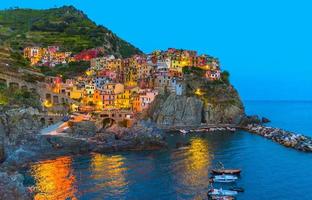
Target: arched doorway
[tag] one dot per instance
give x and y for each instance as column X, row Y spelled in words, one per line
column 108, row 122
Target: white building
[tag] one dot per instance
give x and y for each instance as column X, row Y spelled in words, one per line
column 90, row 89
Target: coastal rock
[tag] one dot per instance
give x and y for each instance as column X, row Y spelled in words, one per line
column 222, row 114
column 69, row 145
column 215, row 103
column 253, row 119
column 2, row 152
column 82, row 129
column 12, row 188
column 265, row 120
column 141, row 136
column 179, row 111
column 19, row 125
column 285, row 138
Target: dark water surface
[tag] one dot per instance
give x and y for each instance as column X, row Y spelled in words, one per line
column 270, row 171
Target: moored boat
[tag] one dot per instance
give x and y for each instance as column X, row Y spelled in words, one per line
column 224, row 178
column 221, row 192
column 226, row 171
column 183, row 131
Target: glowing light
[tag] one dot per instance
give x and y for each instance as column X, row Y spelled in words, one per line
column 184, row 63
column 88, row 73
column 99, row 105
column 74, row 107
column 198, row 92
column 47, row 104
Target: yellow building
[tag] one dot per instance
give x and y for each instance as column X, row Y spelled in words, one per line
column 34, row 54
column 124, row 100
column 110, row 94
column 114, row 64
column 131, row 77
column 76, row 93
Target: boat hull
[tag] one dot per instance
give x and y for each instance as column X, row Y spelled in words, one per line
column 226, row 171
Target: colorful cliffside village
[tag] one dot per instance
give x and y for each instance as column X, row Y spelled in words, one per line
column 122, row 87
column 52, row 56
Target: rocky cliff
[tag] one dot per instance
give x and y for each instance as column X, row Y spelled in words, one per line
column 203, row 102
column 18, row 127
column 177, row 110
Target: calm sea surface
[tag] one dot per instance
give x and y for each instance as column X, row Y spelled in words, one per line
column 270, row 171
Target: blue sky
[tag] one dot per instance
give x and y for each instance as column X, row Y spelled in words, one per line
column 266, row 45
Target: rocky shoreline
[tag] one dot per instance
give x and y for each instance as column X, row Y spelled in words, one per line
column 82, row 138
column 285, row 138
column 21, row 144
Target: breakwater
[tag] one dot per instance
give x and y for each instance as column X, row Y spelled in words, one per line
column 285, row 138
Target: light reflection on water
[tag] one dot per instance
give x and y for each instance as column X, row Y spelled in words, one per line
column 191, row 167
column 54, row 179
column 108, row 172
column 112, row 176
column 177, row 173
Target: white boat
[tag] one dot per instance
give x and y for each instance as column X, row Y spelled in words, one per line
column 183, row 148
column 224, row 178
column 221, row 192
column 183, row 131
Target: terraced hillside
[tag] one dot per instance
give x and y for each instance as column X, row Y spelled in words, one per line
column 66, row 26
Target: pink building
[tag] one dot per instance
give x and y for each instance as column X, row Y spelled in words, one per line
column 108, row 74
column 53, row 49
column 144, row 99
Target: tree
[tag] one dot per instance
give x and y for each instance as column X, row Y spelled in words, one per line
column 225, row 76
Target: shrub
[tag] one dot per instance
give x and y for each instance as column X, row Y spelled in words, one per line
column 19, row 97
column 225, row 77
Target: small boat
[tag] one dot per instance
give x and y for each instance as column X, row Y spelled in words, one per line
column 221, row 192
column 183, row 148
column 183, row 131
column 224, row 178
column 226, row 171
column 221, row 170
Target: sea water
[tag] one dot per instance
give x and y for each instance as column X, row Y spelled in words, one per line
column 269, row 170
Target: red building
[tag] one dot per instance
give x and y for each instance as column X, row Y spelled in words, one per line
column 87, row 55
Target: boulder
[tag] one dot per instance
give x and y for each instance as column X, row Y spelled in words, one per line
column 254, row 119
column 83, row 129
column 142, row 135
column 69, row 145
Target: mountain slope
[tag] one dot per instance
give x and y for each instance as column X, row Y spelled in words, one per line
column 66, row 26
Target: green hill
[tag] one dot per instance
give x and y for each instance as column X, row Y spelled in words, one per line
column 66, row 26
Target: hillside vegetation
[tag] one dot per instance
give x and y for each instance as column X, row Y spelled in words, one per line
column 67, row 27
